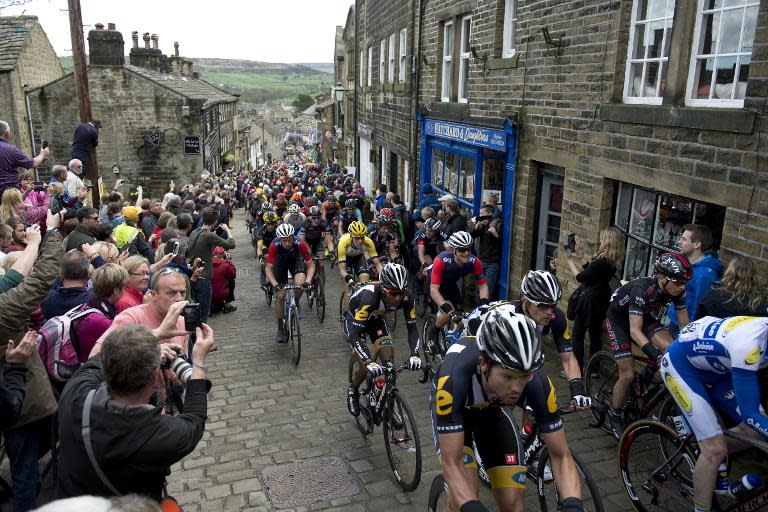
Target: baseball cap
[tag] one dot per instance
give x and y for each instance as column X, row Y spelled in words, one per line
column 131, row 213
column 445, row 197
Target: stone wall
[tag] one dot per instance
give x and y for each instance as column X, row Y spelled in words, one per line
column 127, row 105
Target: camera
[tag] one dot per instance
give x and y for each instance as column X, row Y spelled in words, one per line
column 180, row 366
column 570, row 243
column 191, row 317
column 38, row 185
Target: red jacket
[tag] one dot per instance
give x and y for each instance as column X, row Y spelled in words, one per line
column 223, row 271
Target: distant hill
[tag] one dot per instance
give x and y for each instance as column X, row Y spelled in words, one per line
column 258, row 82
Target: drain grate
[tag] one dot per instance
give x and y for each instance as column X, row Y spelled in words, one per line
column 299, row 484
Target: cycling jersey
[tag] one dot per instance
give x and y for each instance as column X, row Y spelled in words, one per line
column 313, row 233
column 558, row 325
column 295, row 220
column 432, row 246
column 347, row 249
column 446, row 272
column 639, row 297
column 266, row 236
column 330, row 210
column 345, row 218
column 381, row 242
column 365, row 316
column 695, row 370
column 293, row 259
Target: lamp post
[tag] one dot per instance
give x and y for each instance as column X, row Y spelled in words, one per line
column 338, row 96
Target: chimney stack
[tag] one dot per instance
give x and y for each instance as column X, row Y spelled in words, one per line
column 176, row 48
column 111, row 26
column 146, row 40
column 154, row 41
column 105, row 47
column 135, row 37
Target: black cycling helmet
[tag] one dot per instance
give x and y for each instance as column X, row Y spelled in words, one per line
column 541, row 287
column 510, row 339
column 674, row 265
column 394, row 277
column 314, row 211
column 432, row 224
column 350, row 203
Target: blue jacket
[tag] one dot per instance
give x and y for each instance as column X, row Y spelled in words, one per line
column 705, row 272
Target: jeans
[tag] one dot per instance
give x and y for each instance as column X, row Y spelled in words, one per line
column 491, row 277
column 22, row 446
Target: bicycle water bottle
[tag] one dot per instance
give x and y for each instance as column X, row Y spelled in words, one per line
column 748, row 483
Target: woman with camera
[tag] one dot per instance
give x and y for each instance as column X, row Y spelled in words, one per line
column 594, row 293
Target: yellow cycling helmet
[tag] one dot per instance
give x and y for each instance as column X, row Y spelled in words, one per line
column 320, row 189
column 270, row 217
column 259, row 191
column 357, row 228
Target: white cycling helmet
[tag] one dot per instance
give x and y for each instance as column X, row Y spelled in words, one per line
column 294, row 208
column 541, row 287
column 460, row 239
column 394, row 277
column 510, row 339
column 284, row 230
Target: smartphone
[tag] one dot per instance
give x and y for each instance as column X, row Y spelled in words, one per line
column 45, row 144
column 191, row 317
column 570, row 243
column 175, row 251
column 39, row 186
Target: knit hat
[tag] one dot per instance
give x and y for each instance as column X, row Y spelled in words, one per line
column 131, row 213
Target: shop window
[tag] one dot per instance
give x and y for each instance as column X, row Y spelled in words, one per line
column 493, row 177
column 653, row 222
column 454, row 174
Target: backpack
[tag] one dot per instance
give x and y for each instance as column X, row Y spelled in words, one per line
column 59, row 351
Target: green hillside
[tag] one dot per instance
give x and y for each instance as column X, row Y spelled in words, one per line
column 255, row 82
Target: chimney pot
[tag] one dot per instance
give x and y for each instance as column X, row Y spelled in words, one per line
column 111, row 26
column 135, row 37
column 154, row 41
column 176, row 48
column 99, row 26
column 146, row 39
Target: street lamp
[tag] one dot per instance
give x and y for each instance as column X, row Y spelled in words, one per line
column 338, row 96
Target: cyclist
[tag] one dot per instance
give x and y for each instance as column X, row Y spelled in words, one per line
column 264, row 239
column 294, row 217
column 348, row 215
column 287, row 254
column 365, row 317
column 383, row 238
column 480, row 377
column 634, row 315
column 448, row 270
column 317, row 234
column 351, row 254
column 430, row 243
column 714, row 364
column 280, row 205
column 331, row 211
column 541, row 291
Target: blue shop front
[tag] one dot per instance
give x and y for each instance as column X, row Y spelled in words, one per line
column 471, row 163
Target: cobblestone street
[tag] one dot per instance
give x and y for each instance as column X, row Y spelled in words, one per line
column 264, row 412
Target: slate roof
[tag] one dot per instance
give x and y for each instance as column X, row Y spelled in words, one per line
column 192, row 88
column 14, row 34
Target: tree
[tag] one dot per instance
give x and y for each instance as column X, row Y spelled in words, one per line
column 303, row 102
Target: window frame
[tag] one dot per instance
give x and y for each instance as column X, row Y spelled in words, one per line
column 402, row 61
column 464, row 59
column 362, row 68
column 446, row 62
column 391, row 58
column 383, row 61
column 663, row 61
column 369, row 77
column 508, row 48
column 691, row 82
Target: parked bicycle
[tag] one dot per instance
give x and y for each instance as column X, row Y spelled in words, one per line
column 534, row 449
column 656, row 463
column 381, row 402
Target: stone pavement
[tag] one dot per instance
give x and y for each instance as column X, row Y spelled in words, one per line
column 263, row 411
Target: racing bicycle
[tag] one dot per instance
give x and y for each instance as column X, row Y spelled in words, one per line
column 316, row 294
column 435, row 347
column 292, row 322
column 382, row 403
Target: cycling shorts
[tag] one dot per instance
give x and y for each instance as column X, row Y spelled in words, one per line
column 621, row 341
column 317, row 247
column 357, row 265
column 699, row 393
column 376, row 330
column 281, row 272
column 493, row 433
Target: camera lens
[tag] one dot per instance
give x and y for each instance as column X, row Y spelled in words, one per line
column 182, row 369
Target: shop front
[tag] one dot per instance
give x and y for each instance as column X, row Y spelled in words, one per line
column 471, row 163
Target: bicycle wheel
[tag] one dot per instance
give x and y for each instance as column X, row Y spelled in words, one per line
column 421, row 305
column 651, row 480
column 311, row 294
column 431, row 345
column 438, row 495
column 171, row 137
column 401, row 439
column 600, row 376
column 320, row 300
column 295, row 336
column 549, row 499
column 365, row 420
column 341, row 308
column 268, row 295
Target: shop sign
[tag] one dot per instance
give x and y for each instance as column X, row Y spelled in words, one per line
column 191, row 146
column 483, row 137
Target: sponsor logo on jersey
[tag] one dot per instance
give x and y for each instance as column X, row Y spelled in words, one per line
column 681, row 397
column 443, row 398
column 730, row 395
column 510, row 458
column 640, row 301
column 362, row 313
column 712, row 328
column 737, row 321
column 552, row 398
column 699, row 345
column 753, row 357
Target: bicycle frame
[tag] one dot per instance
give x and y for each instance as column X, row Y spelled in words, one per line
column 390, row 379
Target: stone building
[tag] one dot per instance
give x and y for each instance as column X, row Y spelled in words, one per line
column 583, row 114
column 27, row 60
column 159, row 121
column 385, row 92
column 344, row 70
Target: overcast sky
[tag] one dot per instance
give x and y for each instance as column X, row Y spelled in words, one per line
column 262, row 30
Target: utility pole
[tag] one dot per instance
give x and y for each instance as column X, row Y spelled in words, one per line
column 81, row 86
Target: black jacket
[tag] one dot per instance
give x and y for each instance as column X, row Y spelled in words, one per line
column 595, row 282
column 12, row 390
column 134, row 445
column 722, row 304
column 453, row 224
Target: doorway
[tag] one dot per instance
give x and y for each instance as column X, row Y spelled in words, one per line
column 549, row 212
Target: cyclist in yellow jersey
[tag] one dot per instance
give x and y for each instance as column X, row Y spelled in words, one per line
column 352, row 250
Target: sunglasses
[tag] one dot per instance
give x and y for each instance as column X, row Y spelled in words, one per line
column 357, row 238
column 544, row 307
column 395, row 293
column 678, row 282
column 463, row 250
column 315, row 218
